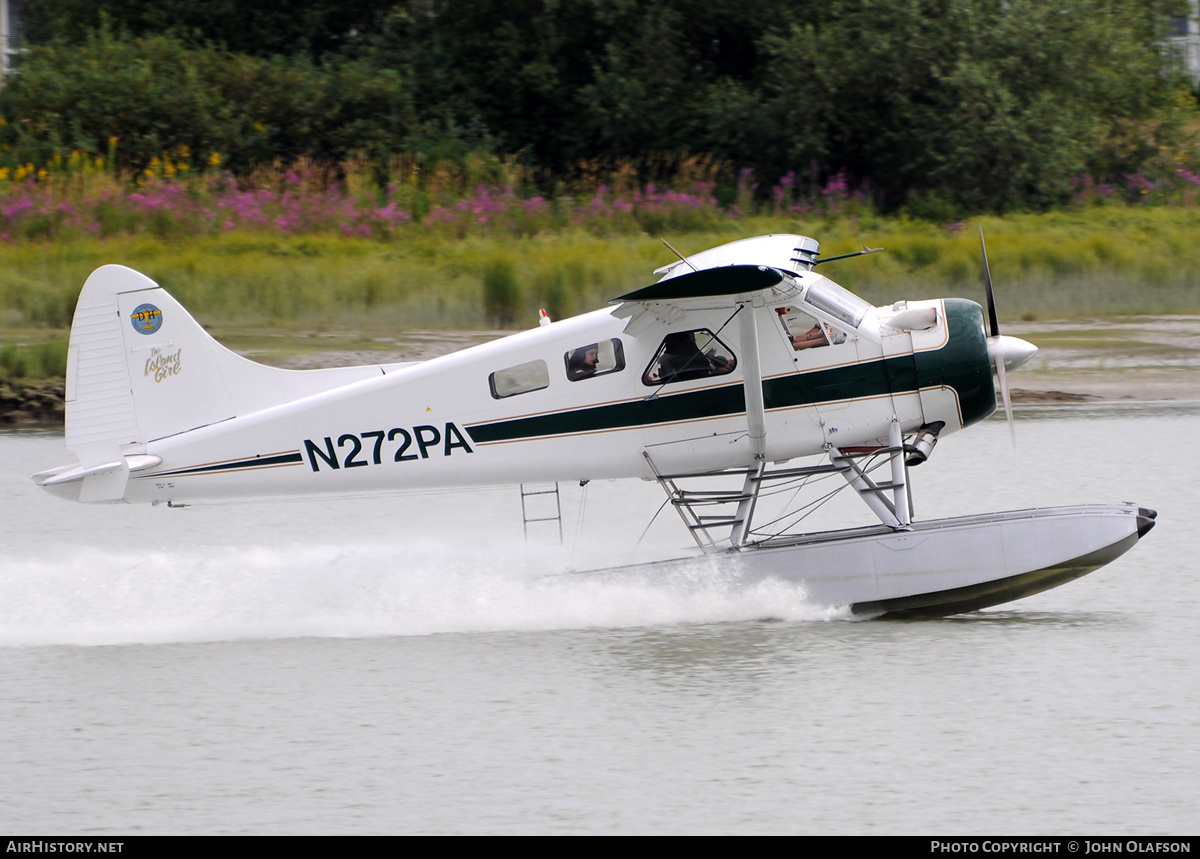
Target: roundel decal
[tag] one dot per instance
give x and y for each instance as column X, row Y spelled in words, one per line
column 146, row 319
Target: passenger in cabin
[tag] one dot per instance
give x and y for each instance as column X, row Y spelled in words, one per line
column 792, row 320
column 810, row 339
column 582, row 363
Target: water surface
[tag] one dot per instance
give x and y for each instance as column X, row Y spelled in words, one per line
column 407, row 664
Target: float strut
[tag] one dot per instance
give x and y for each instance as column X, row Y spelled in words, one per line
column 900, row 494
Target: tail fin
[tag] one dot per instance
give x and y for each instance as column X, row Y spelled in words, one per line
column 140, row 368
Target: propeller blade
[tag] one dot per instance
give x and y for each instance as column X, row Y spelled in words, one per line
column 1006, row 398
column 996, row 343
column 993, row 319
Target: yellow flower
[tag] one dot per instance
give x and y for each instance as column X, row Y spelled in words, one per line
column 214, row 160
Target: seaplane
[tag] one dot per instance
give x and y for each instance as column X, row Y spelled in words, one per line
column 741, row 368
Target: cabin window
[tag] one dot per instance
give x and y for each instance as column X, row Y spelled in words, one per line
column 806, row 332
column 686, row 355
column 521, row 379
column 595, row 359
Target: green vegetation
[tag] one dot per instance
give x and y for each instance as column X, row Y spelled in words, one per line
column 1100, row 261
column 937, row 107
column 160, row 99
column 344, row 172
column 36, row 360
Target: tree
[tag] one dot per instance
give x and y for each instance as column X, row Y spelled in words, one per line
column 313, row 28
column 991, row 104
column 158, row 96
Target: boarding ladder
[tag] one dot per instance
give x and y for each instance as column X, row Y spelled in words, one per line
column 540, row 502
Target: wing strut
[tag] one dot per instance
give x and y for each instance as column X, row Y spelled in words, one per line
column 756, row 421
column 756, row 416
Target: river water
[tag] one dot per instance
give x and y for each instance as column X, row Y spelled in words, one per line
column 407, row 663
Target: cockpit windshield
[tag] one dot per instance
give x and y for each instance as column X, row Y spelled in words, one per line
column 841, row 304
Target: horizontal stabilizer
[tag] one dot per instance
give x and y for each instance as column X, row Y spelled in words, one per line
column 71, row 473
column 103, row 481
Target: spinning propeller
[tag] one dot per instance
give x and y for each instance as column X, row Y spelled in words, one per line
column 1007, row 353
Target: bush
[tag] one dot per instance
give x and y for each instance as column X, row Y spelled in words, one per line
column 41, row 361
column 141, row 98
column 501, row 292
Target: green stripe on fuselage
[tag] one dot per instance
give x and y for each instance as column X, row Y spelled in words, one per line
column 694, row 405
column 258, row 461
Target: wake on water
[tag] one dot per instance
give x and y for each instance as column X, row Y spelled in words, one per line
column 117, row 596
column 413, row 563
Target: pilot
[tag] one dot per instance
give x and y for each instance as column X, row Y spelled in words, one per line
column 679, row 353
column 682, row 360
column 810, row 339
column 582, row 363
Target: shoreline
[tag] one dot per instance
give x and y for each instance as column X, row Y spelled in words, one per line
column 1085, row 361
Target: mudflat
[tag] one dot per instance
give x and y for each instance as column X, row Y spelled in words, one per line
column 1138, row 358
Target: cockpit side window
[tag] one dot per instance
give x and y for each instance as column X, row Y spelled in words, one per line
column 804, row 331
column 595, row 359
column 687, row 355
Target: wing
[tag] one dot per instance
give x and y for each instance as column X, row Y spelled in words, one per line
column 667, row 301
column 708, row 283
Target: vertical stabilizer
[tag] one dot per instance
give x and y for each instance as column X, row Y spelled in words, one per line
column 139, row 366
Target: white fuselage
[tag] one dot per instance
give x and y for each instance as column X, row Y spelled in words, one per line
column 437, row 423
column 159, row 412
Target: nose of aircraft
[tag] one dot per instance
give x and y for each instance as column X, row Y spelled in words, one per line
column 1013, row 350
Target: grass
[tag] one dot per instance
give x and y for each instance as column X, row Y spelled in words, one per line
column 1093, row 261
column 33, row 357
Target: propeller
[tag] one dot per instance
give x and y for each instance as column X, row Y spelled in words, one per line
column 1007, row 353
